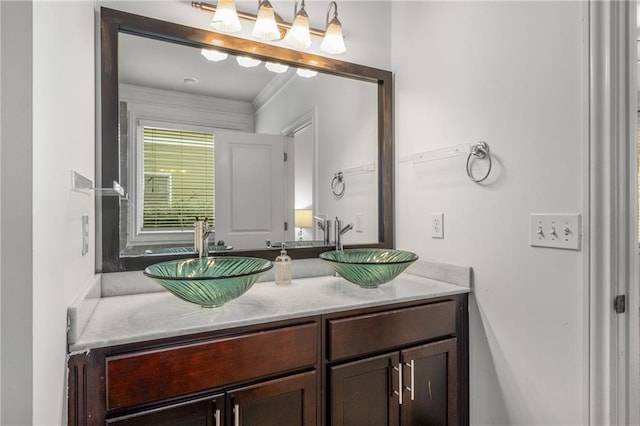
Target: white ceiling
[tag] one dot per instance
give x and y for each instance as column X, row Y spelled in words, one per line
column 162, row 65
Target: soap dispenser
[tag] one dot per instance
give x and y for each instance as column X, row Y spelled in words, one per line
column 283, row 268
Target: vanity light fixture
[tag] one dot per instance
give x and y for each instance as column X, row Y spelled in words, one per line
column 302, row 72
column 298, row 36
column 248, row 62
column 333, row 41
column 226, row 17
column 214, row 55
column 265, row 27
column 298, row 33
column 277, row 68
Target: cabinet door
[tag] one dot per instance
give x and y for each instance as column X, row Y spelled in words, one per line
column 203, row 412
column 431, row 384
column 365, row 392
column 289, row 401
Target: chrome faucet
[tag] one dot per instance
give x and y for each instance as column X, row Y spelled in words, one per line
column 340, row 231
column 325, row 226
column 201, row 232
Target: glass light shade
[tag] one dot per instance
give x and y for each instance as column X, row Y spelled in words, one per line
column 248, row 62
column 299, row 36
column 226, row 18
column 214, row 55
column 306, row 73
column 265, row 27
column 333, row 41
column 277, row 68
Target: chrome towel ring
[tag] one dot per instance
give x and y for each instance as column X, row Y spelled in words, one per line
column 478, row 151
column 338, row 185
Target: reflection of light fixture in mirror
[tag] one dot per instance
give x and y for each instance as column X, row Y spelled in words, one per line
column 299, row 36
column 306, row 73
column 277, row 68
column 226, row 18
column 303, row 218
column 265, row 27
column 190, row 81
column 214, row 55
column 248, row 62
column 333, row 42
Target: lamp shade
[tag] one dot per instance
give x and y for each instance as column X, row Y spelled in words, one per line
column 275, row 67
column 299, row 36
column 226, row 18
column 248, row 62
column 265, row 27
column 303, row 218
column 214, row 55
column 303, row 72
column 333, row 41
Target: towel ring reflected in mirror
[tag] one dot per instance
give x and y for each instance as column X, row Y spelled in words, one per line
column 338, row 185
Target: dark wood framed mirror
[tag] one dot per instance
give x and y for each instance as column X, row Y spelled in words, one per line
column 109, row 153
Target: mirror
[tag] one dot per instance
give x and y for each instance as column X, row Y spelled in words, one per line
column 334, row 127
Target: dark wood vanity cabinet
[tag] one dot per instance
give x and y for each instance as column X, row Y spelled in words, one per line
column 403, row 364
column 413, row 385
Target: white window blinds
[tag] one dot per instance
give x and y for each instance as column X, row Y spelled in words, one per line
column 178, row 178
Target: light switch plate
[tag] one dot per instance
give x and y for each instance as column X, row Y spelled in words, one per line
column 85, row 234
column 358, row 223
column 561, row 231
column 437, row 225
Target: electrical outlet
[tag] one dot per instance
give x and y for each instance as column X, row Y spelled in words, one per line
column 358, row 223
column 437, row 225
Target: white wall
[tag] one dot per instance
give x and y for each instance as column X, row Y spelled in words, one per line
column 63, row 140
column 15, row 199
column 511, row 74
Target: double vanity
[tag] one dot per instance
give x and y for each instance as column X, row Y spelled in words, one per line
column 317, row 352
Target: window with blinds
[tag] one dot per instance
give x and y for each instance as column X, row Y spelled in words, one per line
column 178, row 178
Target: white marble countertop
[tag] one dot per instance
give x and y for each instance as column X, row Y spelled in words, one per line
column 132, row 318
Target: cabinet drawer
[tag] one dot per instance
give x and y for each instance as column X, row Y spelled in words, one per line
column 143, row 377
column 364, row 334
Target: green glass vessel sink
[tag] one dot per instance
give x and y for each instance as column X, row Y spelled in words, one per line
column 211, row 281
column 369, row 267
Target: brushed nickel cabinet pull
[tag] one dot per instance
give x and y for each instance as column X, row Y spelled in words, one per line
column 217, row 416
column 399, row 391
column 236, row 415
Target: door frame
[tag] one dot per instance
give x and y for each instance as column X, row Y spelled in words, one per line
column 611, row 223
